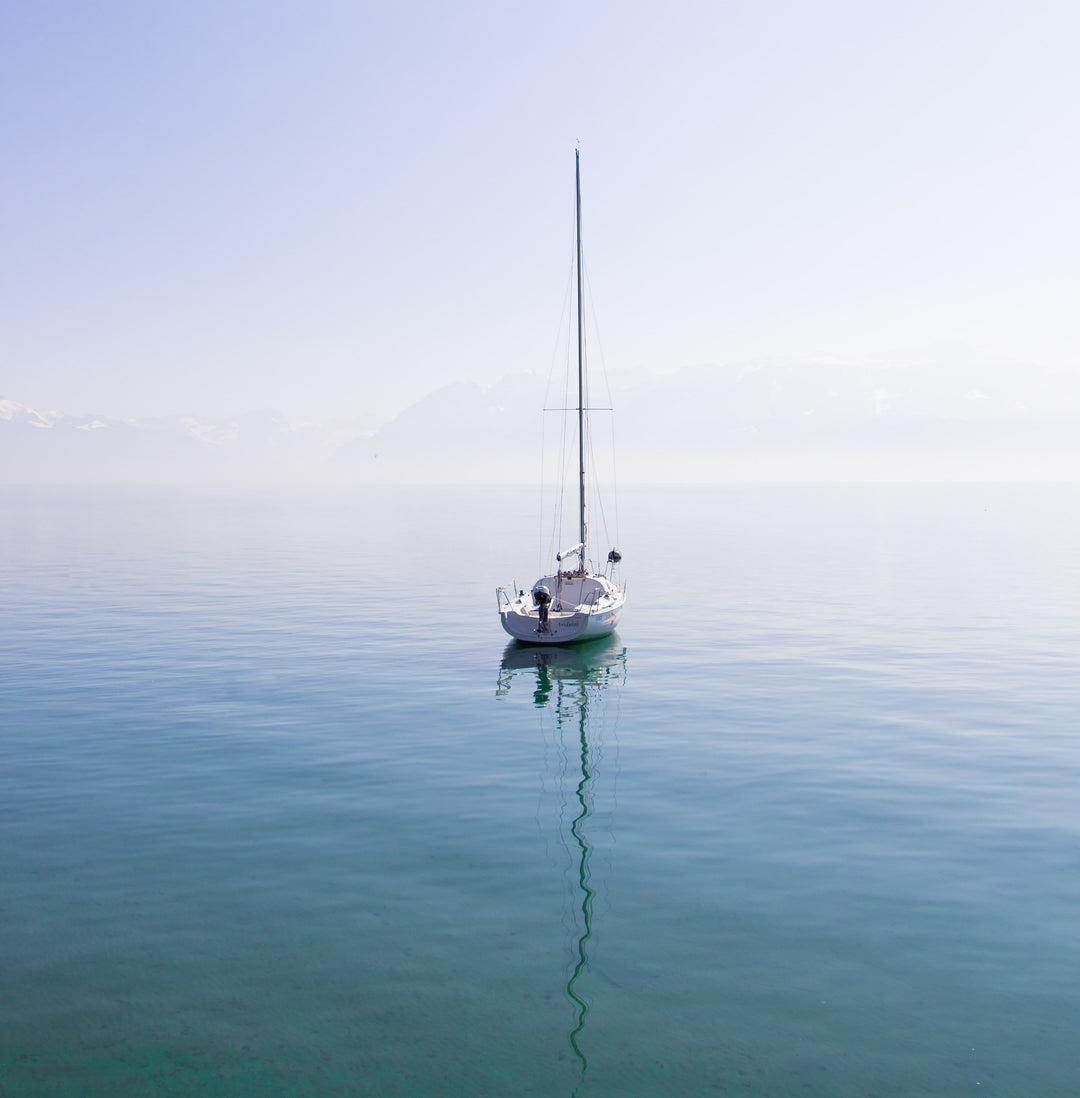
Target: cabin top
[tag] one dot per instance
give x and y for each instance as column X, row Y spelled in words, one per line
column 572, row 589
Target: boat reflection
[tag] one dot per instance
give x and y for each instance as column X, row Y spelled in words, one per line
column 575, row 686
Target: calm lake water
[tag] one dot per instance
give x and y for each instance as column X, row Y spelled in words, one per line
column 282, row 813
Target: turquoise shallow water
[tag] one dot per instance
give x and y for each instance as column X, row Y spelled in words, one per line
column 281, row 813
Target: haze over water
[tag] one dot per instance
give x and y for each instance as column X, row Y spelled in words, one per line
column 282, row 813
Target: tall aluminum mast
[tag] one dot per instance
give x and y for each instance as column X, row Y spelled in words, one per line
column 580, row 366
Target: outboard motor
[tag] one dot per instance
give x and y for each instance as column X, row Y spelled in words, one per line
column 542, row 597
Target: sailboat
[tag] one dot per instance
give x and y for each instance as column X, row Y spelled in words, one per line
column 576, row 600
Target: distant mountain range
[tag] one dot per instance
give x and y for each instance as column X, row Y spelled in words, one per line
column 748, row 422
column 47, row 447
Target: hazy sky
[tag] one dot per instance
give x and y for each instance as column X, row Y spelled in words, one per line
column 333, row 208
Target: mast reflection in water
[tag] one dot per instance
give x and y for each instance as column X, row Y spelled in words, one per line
column 573, row 685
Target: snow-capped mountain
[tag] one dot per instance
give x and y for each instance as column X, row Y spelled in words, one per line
column 743, row 422
column 49, row 447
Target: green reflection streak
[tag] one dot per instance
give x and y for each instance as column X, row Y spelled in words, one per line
column 586, row 891
column 564, row 678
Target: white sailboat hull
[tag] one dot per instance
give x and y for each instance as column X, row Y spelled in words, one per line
column 589, row 610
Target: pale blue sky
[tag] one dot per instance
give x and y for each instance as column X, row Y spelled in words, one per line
column 332, row 208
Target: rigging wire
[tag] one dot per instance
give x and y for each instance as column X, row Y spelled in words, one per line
column 610, row 401
column 567, row 471
column 559, row 487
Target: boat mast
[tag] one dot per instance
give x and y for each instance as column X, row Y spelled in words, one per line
column 580, row 367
